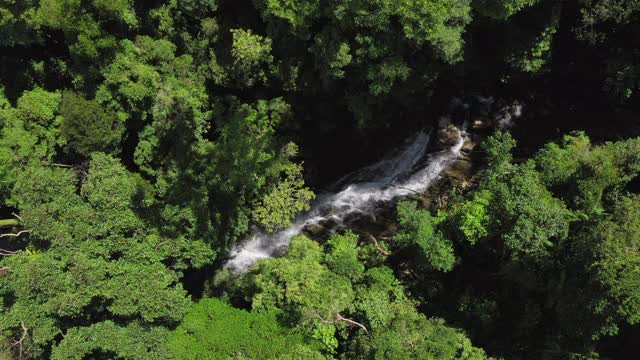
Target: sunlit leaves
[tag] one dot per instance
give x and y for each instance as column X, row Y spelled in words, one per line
column 213, row 329
column 130, row 84
column 417, row 227
column 252, row 59
column 502, row 9
column 302, row 286
column 31, row 131
column 92, row 253
column 474, row 217
column 107, row 338
column 286, row 198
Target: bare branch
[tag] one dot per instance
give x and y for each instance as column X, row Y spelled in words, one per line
column 379, row 248
column 349, row 321
column 160, row 244
column 4, row 252
column 323, row 320
column 443, row 200
column 19, row 343
column 17, row 216
column 57, row 164
column 16, row 234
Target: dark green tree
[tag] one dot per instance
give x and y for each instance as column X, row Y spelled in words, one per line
column 87, row 127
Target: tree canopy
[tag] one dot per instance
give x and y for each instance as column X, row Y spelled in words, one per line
column 145, row 144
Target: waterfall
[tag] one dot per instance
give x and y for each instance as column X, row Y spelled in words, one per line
column 405, row 172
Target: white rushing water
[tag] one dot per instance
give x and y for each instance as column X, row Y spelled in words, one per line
column 408, row 171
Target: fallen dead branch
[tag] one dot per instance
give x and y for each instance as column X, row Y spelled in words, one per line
column 16, row 234
column 4, row 252
column 19, row 343
column 379, row 248
column 349, row 321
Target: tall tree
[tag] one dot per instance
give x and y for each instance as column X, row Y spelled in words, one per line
column 87, row 257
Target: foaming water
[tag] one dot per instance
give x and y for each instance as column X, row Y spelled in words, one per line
column 408, row 171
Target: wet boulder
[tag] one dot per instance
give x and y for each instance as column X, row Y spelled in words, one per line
column 314, row 230
column 461, row 172
column 447, row 137
column 481, row 123
column 471, row 143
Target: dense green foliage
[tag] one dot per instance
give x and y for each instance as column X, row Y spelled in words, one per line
column 335, row 298
column 141, row 140
column 561, row 229
column 417, row 228
column 213, row 329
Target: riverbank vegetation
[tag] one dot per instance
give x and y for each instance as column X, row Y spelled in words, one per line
column 141, row 140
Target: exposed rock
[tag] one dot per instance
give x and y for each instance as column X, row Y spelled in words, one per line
column 482, row 105
column 447, row 137
column 444, row 121
column 505, row 117
column 471, row 143
column 433, row 198
column 314, row 230
column 481, row 124
column 460, row 171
